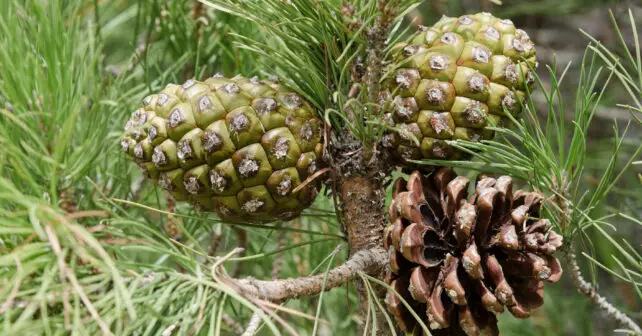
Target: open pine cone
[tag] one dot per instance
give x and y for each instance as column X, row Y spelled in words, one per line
column 459, row 261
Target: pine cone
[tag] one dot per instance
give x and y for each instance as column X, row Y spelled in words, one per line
column 236, row 146
column 460, row 261
column 453, row 80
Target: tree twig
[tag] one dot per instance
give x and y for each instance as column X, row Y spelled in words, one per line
column 369, row 261
column 588, row 290
column 363, row 203
column 253, row 326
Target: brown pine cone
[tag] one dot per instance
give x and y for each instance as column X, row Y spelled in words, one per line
column 458, row 260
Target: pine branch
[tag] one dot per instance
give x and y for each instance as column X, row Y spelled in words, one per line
column 370, row 261
column 588, row 290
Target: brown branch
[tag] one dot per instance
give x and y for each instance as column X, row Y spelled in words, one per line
column 369, row 261
column 588, row 290
column 241, row 238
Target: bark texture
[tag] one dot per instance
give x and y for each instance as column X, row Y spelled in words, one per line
column 363, row 203
column 360, row 174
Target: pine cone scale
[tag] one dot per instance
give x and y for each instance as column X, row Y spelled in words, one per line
column 454, row 289
column 471, row 262
column 437, row 313
column 422, row 280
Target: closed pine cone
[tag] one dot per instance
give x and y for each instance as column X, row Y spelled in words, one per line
column 454, row 81
column 240, row 147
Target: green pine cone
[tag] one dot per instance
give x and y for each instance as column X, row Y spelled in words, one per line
column 454, row 80
column 238, row 147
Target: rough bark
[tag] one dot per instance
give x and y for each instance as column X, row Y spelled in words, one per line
column 360, row 174
column 363, row 204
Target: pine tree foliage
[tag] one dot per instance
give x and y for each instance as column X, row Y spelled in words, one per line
column 87, row 246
